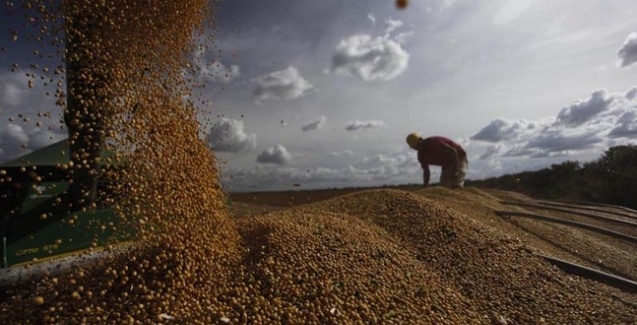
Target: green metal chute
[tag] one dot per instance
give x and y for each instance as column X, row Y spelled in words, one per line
column 36, row 221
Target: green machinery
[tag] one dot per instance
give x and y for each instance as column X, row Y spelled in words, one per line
column 36, row 222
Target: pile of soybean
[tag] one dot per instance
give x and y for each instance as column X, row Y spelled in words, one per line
column 382, row 256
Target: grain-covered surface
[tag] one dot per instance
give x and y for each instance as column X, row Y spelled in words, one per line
column 570, row 243
column 428, row 256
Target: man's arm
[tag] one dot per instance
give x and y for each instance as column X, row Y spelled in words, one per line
column 425, row 175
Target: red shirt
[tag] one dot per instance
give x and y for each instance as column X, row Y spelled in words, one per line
column 435, row 151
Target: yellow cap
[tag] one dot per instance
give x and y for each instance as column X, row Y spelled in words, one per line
column 413, row 140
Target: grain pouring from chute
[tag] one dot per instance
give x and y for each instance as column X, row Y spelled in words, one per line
column 121, row 87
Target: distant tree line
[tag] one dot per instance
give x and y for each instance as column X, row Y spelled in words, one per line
column 612, row 179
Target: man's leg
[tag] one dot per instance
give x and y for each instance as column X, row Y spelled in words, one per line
column 462, row 171
column 446, row 177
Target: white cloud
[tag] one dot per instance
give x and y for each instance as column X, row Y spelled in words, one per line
column 598, row 119
column 398, row 160
column 14, row 133
column 491, row 151
column 626, row 126
column 627, row 53
column 503, row 130
column 12, row 89
column 215, row 71
column 403, row 37
column 11, row 94
column 543, row 140
column 558, row 141
column 631, row 94
column 218, row 72
column 278, row 155
column 317, row 124
column 510, row 11
column 228, row 135
column 41, row 137
column 392, row 25
column 283, row 84
column 16, row 141
column 372, row 59
column 365, row 125
column 580, row 112
column 448, row 3
column 342, row 153
column 372, row 18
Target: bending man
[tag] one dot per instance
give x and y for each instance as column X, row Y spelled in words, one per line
column 443, row 152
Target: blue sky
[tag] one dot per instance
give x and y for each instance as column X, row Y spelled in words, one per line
column 323, row 93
